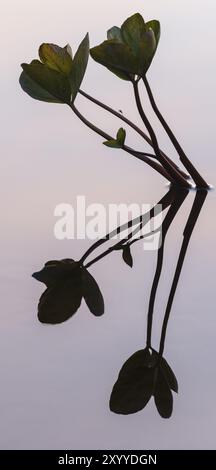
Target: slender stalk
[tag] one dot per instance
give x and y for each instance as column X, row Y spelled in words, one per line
column 164, row 202
column 153, row 164
column 144, row 220
column 191, row 222
column 198, row 179
column 175, row 206
column 133, row 126
column 114, row 247
column 106, row 136
column 146, row 235
column 178, row 178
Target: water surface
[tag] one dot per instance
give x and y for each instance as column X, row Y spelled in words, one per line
column 56, row 380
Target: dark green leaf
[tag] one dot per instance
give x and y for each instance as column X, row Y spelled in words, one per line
column 155, row 26
column 126, row 255
column 113, row 54
column 45, row 84
column 92, row 294
column 162, row 395
column 112, row 143
column 36, row 91
column 142, row 39
column 61, row 301
column 133, row 30
column 80, row 62
column 130, row 49
column 123, row 75
column 121, row 136
column 115, row 33
column 55, row 57
column 119, row 141
column 69, row 50
column 147, row 50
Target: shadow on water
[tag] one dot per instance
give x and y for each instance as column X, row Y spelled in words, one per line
column 146, row 373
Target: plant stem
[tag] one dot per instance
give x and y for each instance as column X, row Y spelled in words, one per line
column 146, row 235
column 152, row 163
column 175, row 206
column 191, row 222
column 178, row 178
column 164, row 202
column 106, row 136
column 133, row 126
column 145, row 218
column 198, row 179
column 162, row 205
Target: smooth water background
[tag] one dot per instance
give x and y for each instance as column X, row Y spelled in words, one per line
column 56, row 381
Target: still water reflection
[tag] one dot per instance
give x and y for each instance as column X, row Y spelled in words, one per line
column 56, row 381
column 146, row 373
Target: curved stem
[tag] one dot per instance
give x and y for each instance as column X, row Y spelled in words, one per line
column 198, row 179
column 145, row 218
column 133, row 126
column 164, row 202
column 117, row 114
column 106, row 136
column 178, row 178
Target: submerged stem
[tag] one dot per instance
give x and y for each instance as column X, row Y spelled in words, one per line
column 175, row 206
column 143, row 219
column 191, row 222
column 164, row 202
column 198, row 179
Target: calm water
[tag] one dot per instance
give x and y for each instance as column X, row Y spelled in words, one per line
column 56, row 380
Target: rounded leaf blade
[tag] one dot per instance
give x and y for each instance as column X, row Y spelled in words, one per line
column 92, row 294
column 60, row 302
column 115, row 33
column 133, row 30
column 155, row 26
column 169, row 375
column 163, row 396
column 57, row 271
column 115, row 55
column 34, row 90
column 56, row 57
column 131, row 395
column 50, row 81
column 126, row 255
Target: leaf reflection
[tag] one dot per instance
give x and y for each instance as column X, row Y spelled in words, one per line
column 146, row 374
column 67, row 283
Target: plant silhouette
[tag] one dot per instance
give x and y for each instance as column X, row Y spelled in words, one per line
column 67, row 283
column 127, row 52
column 146, row 373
